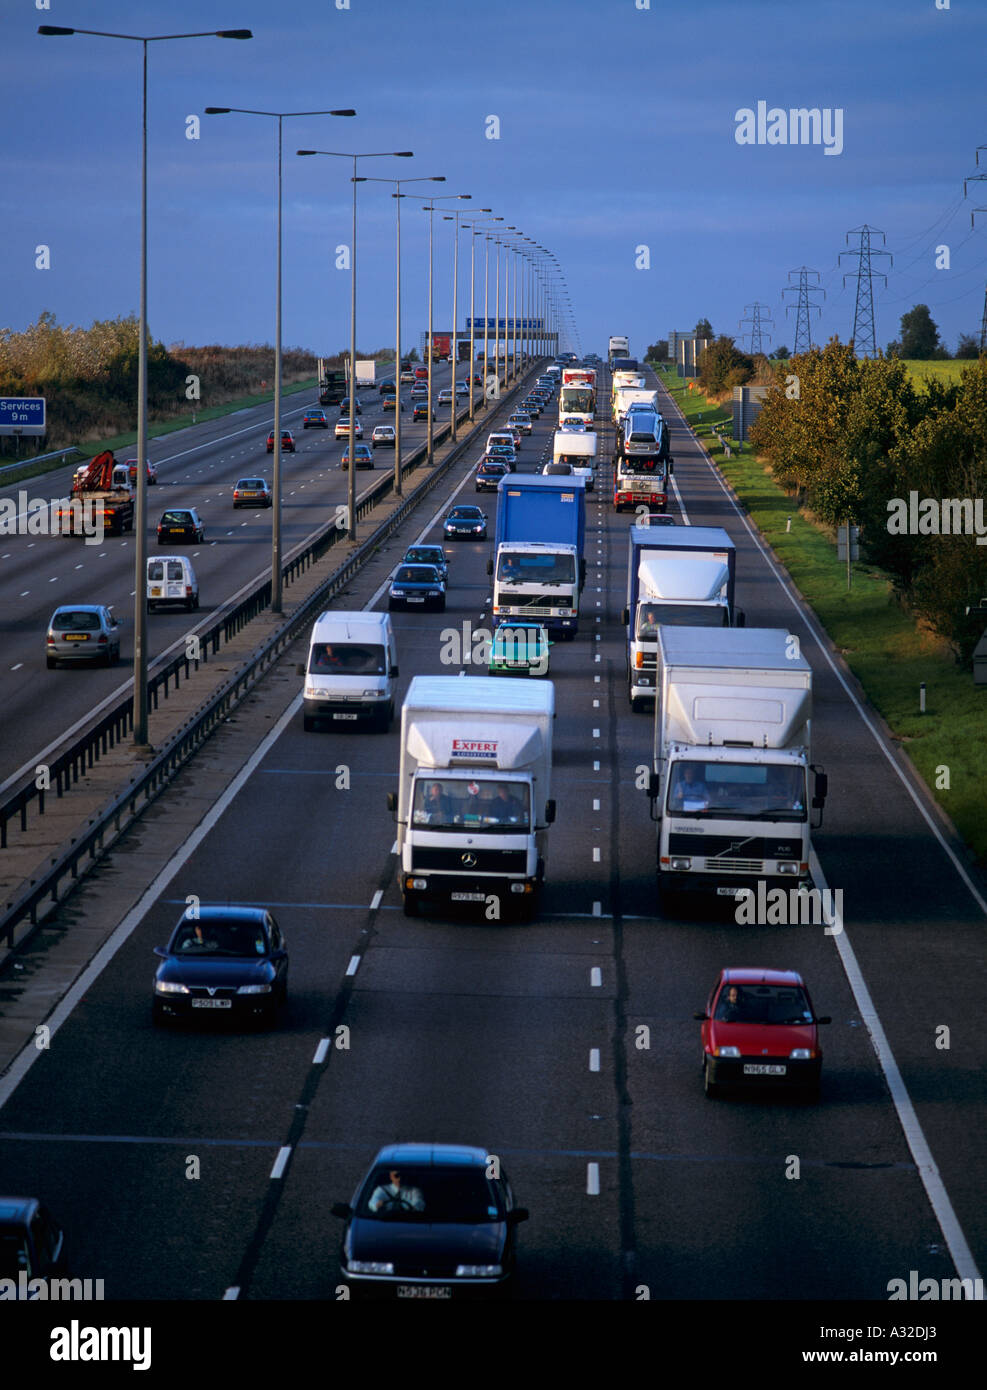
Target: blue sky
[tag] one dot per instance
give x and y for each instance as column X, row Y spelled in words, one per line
column 617, row 130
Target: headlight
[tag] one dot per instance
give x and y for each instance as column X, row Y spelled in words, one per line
column 800, row 1054
column 435, row 593
column 727, row 1051
column 787, row 866
column 478, row 527
column 254, row 989
column 373, row 694
column 370, row 1267
column 312, row 692
column 479, row 1271
column 169, row 987
column 681, row 864
column 396, row 593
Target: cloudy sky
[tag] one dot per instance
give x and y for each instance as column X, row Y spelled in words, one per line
column 616, row 123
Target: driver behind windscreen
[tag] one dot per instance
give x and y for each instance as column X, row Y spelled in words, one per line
column 392, row 1196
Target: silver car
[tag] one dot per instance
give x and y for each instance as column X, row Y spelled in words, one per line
column 82, row 632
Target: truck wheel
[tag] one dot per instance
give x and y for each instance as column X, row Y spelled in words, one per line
column 411, row 905
column 637, row 704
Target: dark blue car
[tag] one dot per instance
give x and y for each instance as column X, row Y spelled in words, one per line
column 222, row 962
column 432, row 1221
column 417, row 586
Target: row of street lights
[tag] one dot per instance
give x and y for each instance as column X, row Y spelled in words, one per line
column 544, row 302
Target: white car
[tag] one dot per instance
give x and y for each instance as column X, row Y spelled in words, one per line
column 343, row 429
column 462, row 388
column 445, row 396
column 383, row 434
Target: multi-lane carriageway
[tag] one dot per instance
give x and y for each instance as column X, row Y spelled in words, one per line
column 567, row 1046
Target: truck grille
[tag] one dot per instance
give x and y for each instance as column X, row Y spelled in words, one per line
column 735, row 866
column 503, row 861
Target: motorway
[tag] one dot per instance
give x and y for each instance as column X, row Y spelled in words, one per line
column 567, row 1047
column 197, row 467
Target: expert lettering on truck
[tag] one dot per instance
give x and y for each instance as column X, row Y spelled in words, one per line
column 538, row 566
column 684, row 576
column 474, row 801
column 730, row 785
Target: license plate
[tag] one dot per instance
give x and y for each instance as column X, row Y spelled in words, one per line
column 424, row 1291
column 413, row 599
column 177, row 531
column 756, row 1069
column 76, row 637
column 211, row 1003
column 345, row 716
column 155, row 593
column 468, row 897
column 728, row 892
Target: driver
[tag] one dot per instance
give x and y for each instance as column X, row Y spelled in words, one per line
column 392, row 1196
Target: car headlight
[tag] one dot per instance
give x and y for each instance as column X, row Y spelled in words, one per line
column 435, row 593
column 373, row 694
column 370, row 1267
column 254, row 989
column 479, row 1271
column 396, row 593
column 726, row 1051
column 478, row 527
column 800, row 1054
column 169, row 987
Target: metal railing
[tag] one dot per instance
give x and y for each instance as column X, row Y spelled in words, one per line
column 40, row 458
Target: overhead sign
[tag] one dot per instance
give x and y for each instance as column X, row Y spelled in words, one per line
column 22, row 415
column 523, row 325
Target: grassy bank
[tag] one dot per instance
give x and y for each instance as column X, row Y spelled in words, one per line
column 880, row 643
column 156, row 430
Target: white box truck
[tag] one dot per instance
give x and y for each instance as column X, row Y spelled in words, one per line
column 578, row 449
column 729, row 787
column 474, row 801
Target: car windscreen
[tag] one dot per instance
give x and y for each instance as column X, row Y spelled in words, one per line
column 176, row 519
column 417, row 574
column 465, row 514
column 763, row 1004
column 251, row 483
column 219, row 938
column 422, row 555
column 444, row 1193
column 446, row 803
column 536, row 567
column 73, row 621
column 347, row 659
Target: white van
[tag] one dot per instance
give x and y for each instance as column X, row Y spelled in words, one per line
column 501, row 437
column 351, row 670
column 171, row 579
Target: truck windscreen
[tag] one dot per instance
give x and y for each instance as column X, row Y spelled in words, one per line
column 447, row 803
column 748, row 791
column 535, row 567
column 677, row 615
column 576, row 398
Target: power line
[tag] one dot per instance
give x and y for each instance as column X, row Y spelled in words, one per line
column 757, row 333
column 803, row 332
column 864, row 336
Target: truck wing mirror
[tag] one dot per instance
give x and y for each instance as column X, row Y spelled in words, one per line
column 395, row 671
column 300, row 669
column 821, row 786
column 671, row 467
column 653, row 785
column 625, row 616
column 582, row 573
column 392, row 801
column 490, row 566
column 550, row 811
column 740, row 618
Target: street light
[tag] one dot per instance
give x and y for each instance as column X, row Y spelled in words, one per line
column 450, row 217
column 471, row 373
column 351, row 446
column 433, row 178
column 140, row 523
column 279, row 116
column 487, row 236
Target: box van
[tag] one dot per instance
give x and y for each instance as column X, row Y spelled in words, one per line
column 171, row 579
column 351, row 670
column 505, row 438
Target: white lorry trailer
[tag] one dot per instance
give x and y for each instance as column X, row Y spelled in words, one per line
column 729, row 787
column 474, row 802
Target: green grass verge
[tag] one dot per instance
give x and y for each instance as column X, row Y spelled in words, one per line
column 880, row 643
column 156, row 429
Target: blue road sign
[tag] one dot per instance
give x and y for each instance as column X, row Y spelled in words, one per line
column 22, row 415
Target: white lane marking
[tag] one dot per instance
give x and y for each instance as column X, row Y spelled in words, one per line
column 596, row 803
column 597, row 909
column 592, row 1180
column 354, row 965
column 281, row 1162
column 18, row 666
column 596, row 733
column 233, row 1292
column 375, row 900
column 321, row 1052
column 596, row 854
column 596, row 765
column 594, row 1059
column 935, row 1188
column 24, row 595
column 596, row 977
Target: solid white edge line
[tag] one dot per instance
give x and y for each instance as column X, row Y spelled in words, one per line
column 935, row 1189
column 231, row 1294
column 29, row 1053
column 281, row 1162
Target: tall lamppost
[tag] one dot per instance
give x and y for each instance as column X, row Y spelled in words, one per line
column 428, row 178
column 280, row 117
column 140, row 523
column 487, row 237
column 472, row 370
column 351, row 444
column 454, row 217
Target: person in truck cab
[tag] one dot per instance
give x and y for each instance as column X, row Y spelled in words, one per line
column 505, row 807
column 438, row 806
column 690, row 792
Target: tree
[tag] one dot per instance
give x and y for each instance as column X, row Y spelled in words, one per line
column 968, row 346
column 781, row 353
column 411, row 356
column 704, row 329
column 919, row 335
column 722, row 365
column 657, row 352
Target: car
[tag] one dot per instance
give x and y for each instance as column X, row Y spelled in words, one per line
column 222, row 960
column 759, row 1028
column 445, row 396
column 82, row 632
column 573, row 426
column 462, row 388
column 407, row 374
column 343, row 428
column 420, row 411
column 532, row 407
column 287, row 442
column 429, row 1221
column 171, row 579
column 519, row 649
column 315, row 419
column 421, row 373
column 252, row 492
column 465, row 523
column 427, row 555
column 387, row 386
column 344, row 405
column 419, row 393
column 181, row 524
column 487, row 477
column 389, row 402
column 588, row 476
column 417, row 584
column 364, row 456
column 152, row 472
column 501, row 453
column 31, row 1242
column 477, row 378
column 516, row 434
column 554, row 466
column 383, row 434
column 655, row 519
column 520, row 423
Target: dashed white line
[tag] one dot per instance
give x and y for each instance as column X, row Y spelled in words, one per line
column 281, row 1162
column 594, row 1059
column 354, row 965
column 596, row 977
column 375, row 900
column 321, row 1052
column 592, row 1180
column 596, row 854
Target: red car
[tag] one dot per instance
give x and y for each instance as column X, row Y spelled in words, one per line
column 287, row 442
column 759, row 1028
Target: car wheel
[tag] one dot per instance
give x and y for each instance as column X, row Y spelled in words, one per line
column 710, row 1090
column 440, row 607
column 51, row 662
column 308, row 723
column 189, row 604
column 108, row 657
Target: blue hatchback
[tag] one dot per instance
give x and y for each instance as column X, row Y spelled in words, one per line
column 222, row 962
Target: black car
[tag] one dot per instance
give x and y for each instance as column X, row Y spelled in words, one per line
column 465, row 523
column 230, row 962
column 532, row 407
column 417, row 584
column 488, row 475
column 30, row 1241
column 428, row 1221
column 181, row 524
